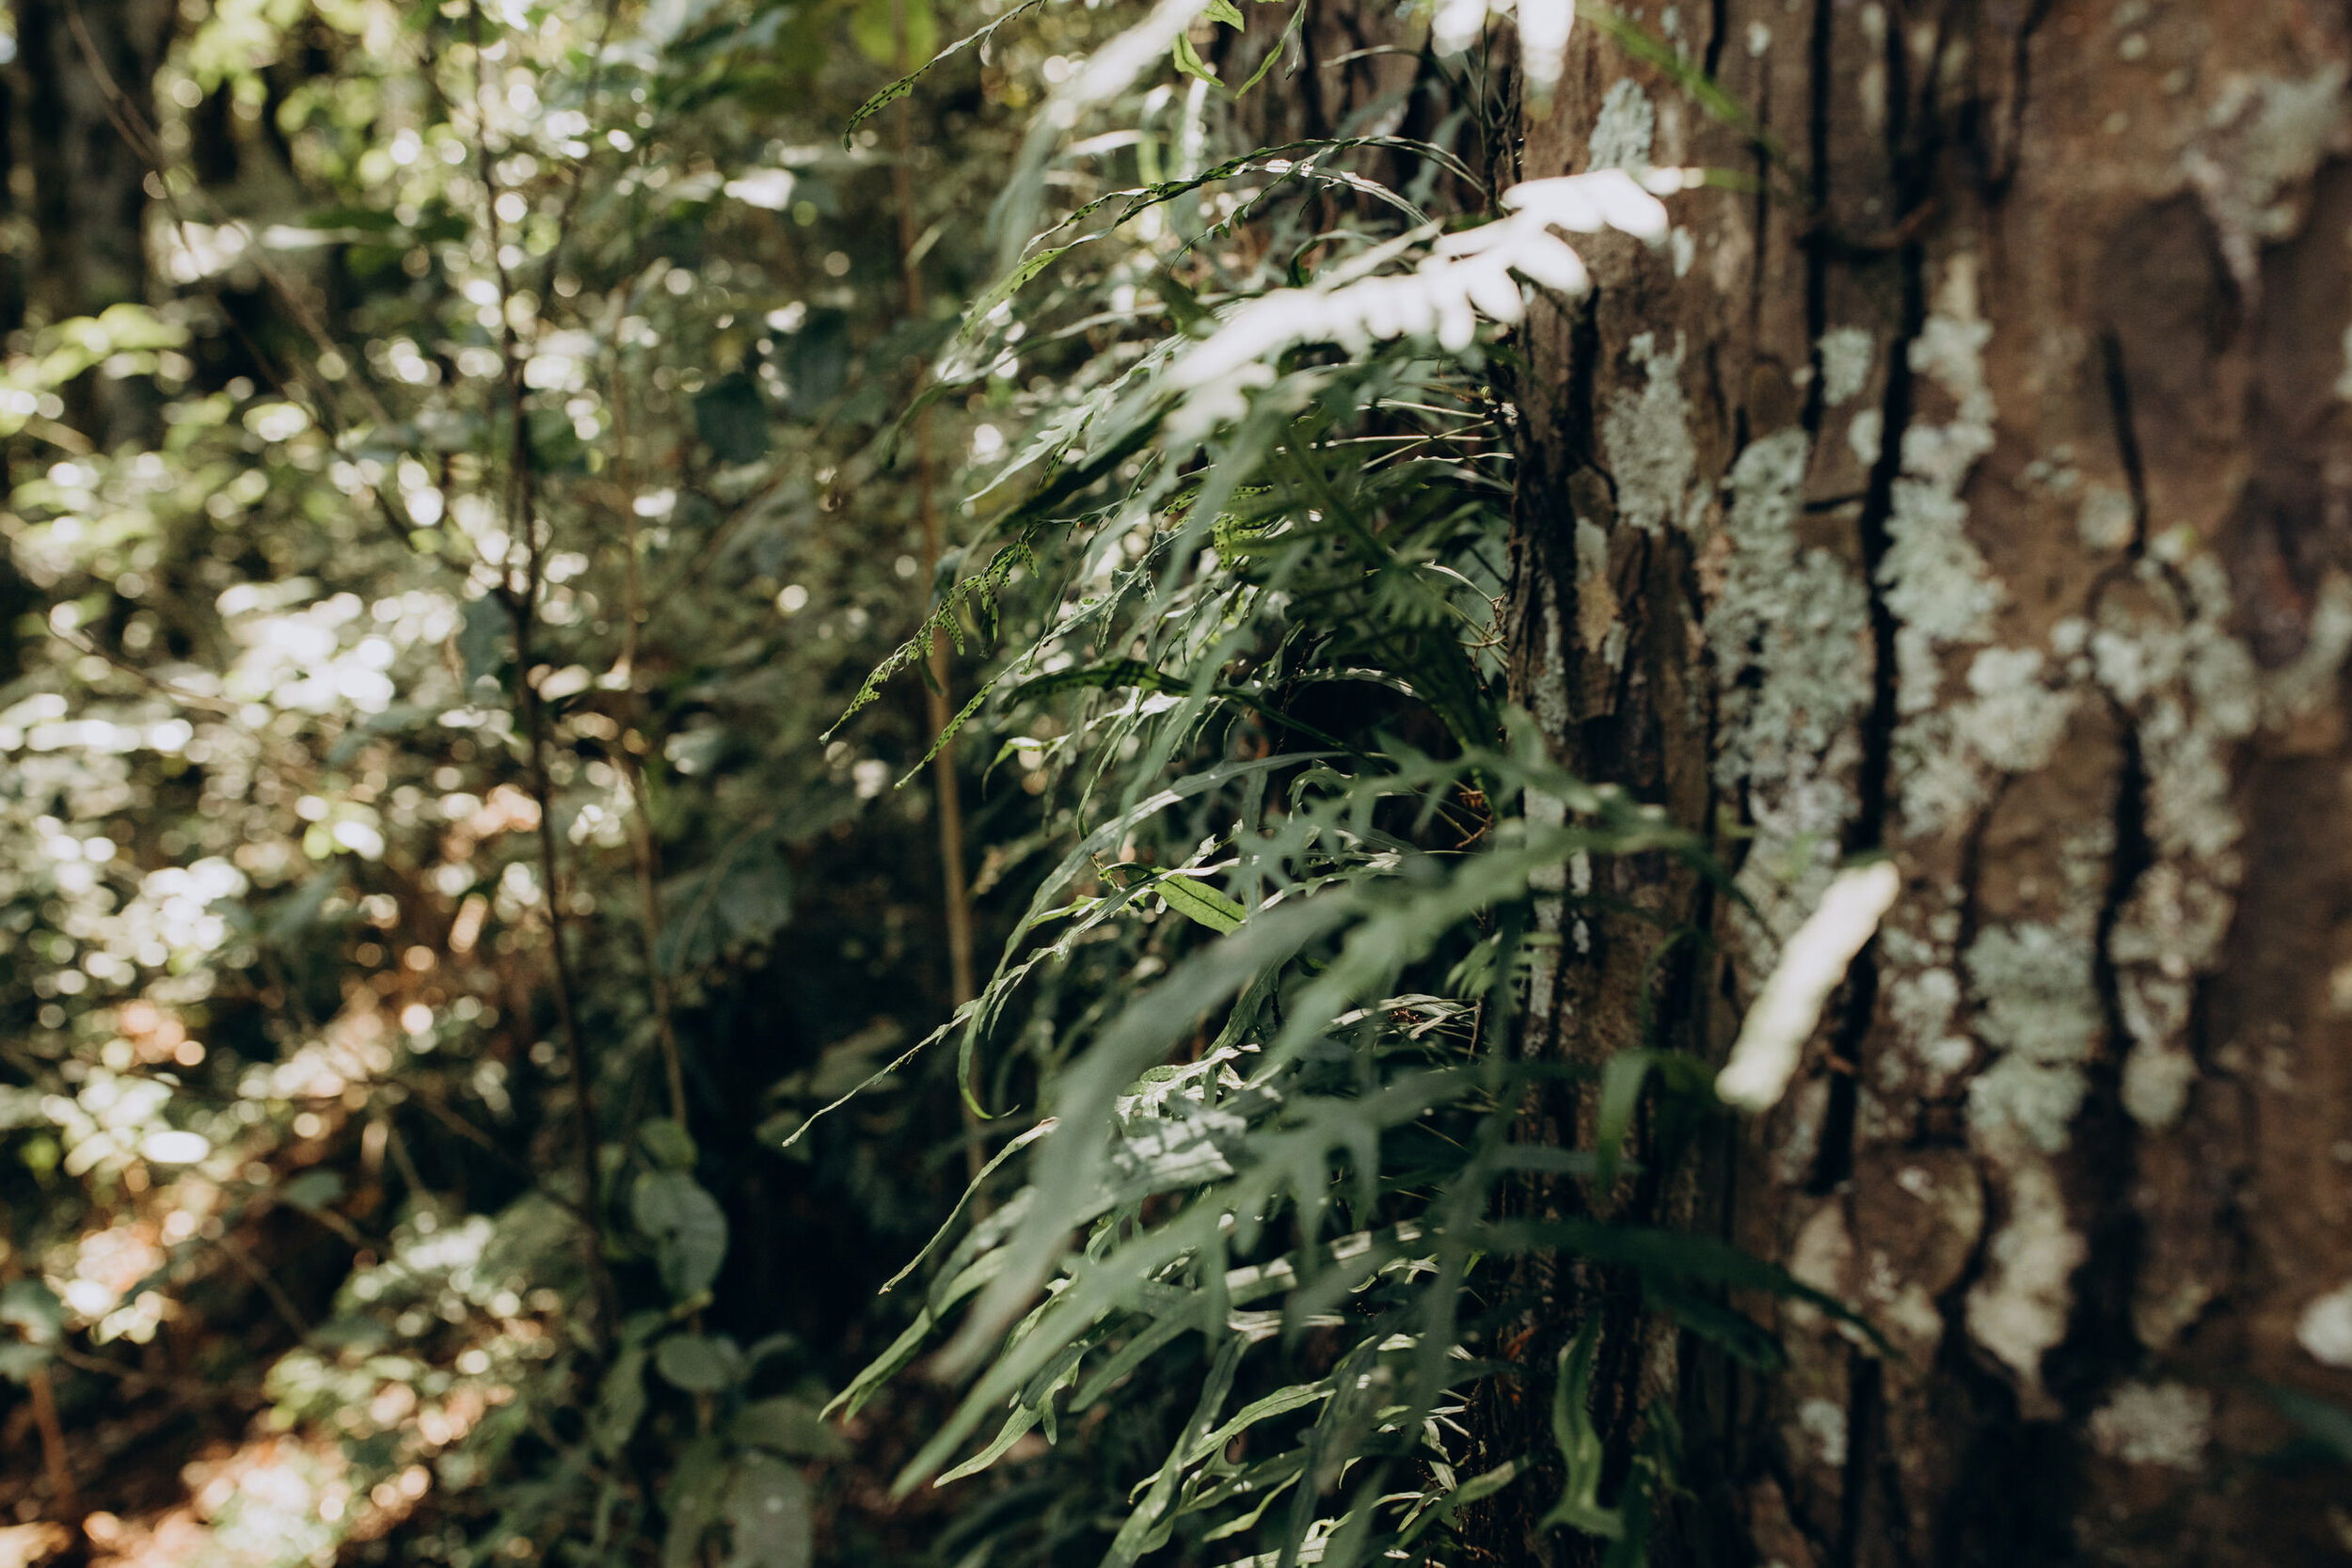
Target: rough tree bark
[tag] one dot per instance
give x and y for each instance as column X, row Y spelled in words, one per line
column 1977, row 488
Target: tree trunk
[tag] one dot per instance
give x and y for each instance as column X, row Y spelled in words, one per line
column 85, row 74
column 1975, row 489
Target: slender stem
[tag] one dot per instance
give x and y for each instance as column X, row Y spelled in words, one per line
column 405, row 1163
column 955, row 891
column 519, row 609
column 522, row 602
column 189, row 1390
column 642, row 841
column 439, row 1110
column 62, row 1499
column 280, row 1301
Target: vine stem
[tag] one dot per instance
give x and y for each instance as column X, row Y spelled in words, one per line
column 53, row 1450
column 521, row 602
column 642, row 843
column 56, row 1458
column 955, row 890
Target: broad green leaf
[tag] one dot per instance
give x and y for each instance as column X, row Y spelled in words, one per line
column 691, row 1501
column 1017, row 1426
column 1675, row 1257
column 767, row 1515
column 1187, row 59
column 1280, row 1402
column 787, row 1427
column 1199, row 903
column 687, row 1229
column 1143, row 1529
column 33, row 1309
column 1621, row 1083
column 621, row 1403
column 1581, row 1452
column 696, row 1363
column 485, row 638
column 19, row 1359
column 312, row 1190
column 667, row 1143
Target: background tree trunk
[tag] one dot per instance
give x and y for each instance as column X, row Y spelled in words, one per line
column 1977, row 488
column 85, row 78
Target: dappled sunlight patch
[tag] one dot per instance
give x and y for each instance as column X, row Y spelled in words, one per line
column 274, row 1501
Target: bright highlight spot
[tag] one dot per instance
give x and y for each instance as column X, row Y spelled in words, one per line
column 1764, row 1057
column 175, row 1148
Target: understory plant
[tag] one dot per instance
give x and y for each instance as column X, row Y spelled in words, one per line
column 1250, row 1054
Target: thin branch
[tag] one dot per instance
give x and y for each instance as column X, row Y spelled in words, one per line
column 642, row 843
column 80, row 644
column 188, row 1389
column 280, row 1303
column 53, row 1450
column 442, row 1111
column 521, row 602
column 938, row 712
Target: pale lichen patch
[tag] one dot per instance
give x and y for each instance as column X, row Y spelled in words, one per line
column 2193, row 692
column 2108, row 521
column 1846, row 355
column 1923, row 1004
column 2305, row 686
column 1789, row 630
column 1934, row 578
column 2160, row 1314
column 1545, row 810
column 1802, row 1112
column 2262, row 135
column 1865, row 436
column 1598, row 625
column 2038, row 993
column 1823, row 1422
column 1871, row 85
column 1625, row 128
column 2039, row 1010
column 2018, row 1310
column 2016, row 719
column 1821, row 1257
column 1645, row 437
column 2011, row 723
column 2155, row 1423
column 2040, row 1013
column 1550, row 694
